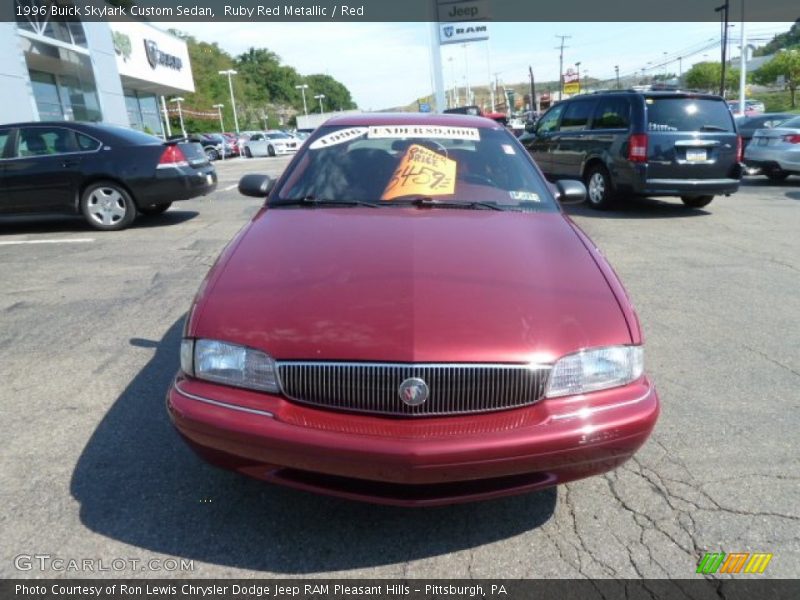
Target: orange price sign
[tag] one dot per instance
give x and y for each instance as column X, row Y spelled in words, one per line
column 421, row 172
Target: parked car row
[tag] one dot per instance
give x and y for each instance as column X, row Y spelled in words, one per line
column 109, row 174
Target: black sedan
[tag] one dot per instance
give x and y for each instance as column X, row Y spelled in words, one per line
column 748, row 124
column 105, row 172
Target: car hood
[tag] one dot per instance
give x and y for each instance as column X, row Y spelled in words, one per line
column 409, row 285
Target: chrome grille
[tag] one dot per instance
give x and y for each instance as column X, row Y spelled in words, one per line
column 373, row 387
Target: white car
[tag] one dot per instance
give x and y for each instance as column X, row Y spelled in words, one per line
column 270, row 143
column 775, row 151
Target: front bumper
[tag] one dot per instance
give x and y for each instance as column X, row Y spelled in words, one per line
column 285, row 150
column 413, row 462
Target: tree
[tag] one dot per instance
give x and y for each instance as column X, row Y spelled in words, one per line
column 786, row 64
column 781, row 41
column 337, row 96
column 707, row 76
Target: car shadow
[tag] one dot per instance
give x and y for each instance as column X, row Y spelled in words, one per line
column 52, row 223
column 757, row 181
column 793, row 195
column 138, row 483
column 638, row 208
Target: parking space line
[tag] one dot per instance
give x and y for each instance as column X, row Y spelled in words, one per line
column 230, row 187
column 63, row 241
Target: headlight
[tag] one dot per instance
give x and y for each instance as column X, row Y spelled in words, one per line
column 229, row 364
column 596, row 369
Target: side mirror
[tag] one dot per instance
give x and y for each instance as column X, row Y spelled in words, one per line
column 256, row 185
column 570, row 191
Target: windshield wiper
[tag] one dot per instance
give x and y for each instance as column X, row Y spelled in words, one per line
column 712, row 128
column 428, row 202
column 312, row 200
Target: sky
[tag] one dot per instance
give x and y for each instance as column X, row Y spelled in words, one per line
column 386, row 65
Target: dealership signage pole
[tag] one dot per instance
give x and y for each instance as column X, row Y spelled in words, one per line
column 456, row 22
column 742, row 67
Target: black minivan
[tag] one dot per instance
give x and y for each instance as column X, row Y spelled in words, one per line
column 655, row 143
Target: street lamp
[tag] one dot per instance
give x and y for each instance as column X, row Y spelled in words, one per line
column 230, row 72
column 467, row 90
column 219, row 108
column 665, row 67
column 319, row 97
column 178, row 100
column 303, row 89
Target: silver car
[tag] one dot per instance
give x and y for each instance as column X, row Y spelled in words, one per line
column 776, row 151
column 270, row 143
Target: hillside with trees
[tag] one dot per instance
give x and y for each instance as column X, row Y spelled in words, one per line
column 264, row 89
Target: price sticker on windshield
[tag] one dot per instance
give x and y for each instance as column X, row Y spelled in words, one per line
column 422, row 172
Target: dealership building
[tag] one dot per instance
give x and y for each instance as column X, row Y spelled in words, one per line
column 56, row 69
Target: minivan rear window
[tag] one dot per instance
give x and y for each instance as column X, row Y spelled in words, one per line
column 688, row 114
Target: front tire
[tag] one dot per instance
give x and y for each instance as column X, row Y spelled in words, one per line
column 599, row 193
column 107, row 206
column 212, row 154
column 697, row 201
column 271, row 150
column 156, row 209
column 247, row 153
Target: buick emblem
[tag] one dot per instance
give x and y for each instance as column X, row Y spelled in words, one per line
column 413, row 391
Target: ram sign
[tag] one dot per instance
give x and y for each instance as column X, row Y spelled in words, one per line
column 457, row 33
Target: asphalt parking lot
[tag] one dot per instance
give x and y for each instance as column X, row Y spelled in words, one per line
column 90, row 324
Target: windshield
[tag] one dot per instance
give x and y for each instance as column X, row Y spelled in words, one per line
column 388, row 164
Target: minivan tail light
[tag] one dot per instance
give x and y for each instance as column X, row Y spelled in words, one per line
column 739, row 149
column 637, row 148
column 792, row 139
column 172, row 157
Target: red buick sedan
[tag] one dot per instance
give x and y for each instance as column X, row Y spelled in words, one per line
column 380, row 331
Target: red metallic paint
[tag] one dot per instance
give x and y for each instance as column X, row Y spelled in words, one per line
column 410, row 285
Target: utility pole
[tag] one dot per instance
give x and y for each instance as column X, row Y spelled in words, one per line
column 616, row 69
column 724, row 10
column 561, row 65
column 533, row 89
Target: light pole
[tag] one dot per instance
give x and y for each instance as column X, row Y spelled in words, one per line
column 219, row 108
column 230, row 72
column 319, row 97
column 616, row 70
column 454, row 93
column 467, row 91
column 178, row 100
column 303, row 87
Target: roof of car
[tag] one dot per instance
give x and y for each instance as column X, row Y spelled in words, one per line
column 452, row 120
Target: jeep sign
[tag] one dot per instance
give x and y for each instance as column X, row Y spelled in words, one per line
column 462, row 10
